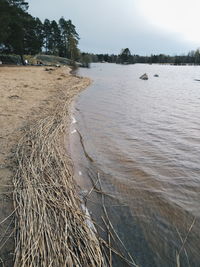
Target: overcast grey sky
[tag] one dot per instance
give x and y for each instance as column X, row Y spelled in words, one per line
column 144, row 26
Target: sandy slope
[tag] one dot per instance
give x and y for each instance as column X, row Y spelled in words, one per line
column 26, row 95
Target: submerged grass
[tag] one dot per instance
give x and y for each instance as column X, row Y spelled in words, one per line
column 51, row 227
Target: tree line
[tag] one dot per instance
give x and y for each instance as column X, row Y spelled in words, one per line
column 21, row 33
column 125, row 57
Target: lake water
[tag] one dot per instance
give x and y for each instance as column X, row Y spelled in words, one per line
column 140, row 142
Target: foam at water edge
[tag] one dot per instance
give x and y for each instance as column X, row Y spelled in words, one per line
column 73, row 120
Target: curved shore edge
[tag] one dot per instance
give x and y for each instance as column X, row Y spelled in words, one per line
column 50, row 227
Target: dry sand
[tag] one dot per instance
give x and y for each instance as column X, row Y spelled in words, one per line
column 27, row 94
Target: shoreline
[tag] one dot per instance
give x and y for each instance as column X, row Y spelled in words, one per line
column 36, row 103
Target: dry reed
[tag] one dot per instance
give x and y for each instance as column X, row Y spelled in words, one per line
column 51, row 227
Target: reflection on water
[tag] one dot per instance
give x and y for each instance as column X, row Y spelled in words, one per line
column 144, row 140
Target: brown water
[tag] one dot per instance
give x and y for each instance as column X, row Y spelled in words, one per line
column 143, row 139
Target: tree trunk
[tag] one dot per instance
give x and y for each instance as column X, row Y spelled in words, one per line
column 22, row 60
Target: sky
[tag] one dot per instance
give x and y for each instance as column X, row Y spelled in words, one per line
column 144, row 26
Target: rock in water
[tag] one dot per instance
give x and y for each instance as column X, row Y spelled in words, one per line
column 144, row 77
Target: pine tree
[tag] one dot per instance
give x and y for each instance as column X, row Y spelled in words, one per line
column 19, row 3
column 21, row 33
column 125, row 56
column 70, row 39
column 5, row 19
column 55, row 38
column 47, row 35
column 33, row 36
column 73, row 51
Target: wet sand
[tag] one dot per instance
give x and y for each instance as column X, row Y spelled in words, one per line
column 27, row 94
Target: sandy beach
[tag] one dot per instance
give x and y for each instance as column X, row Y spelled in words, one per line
column 28, row 96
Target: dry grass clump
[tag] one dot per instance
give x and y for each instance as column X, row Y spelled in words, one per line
column 52, row 229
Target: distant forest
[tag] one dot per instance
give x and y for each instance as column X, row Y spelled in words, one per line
column 22, row 34
column 125, row 57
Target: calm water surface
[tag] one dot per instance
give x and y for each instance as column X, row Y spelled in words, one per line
column 142, row 139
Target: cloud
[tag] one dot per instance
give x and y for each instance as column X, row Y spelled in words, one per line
column 107, row 26
column 176, row 16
